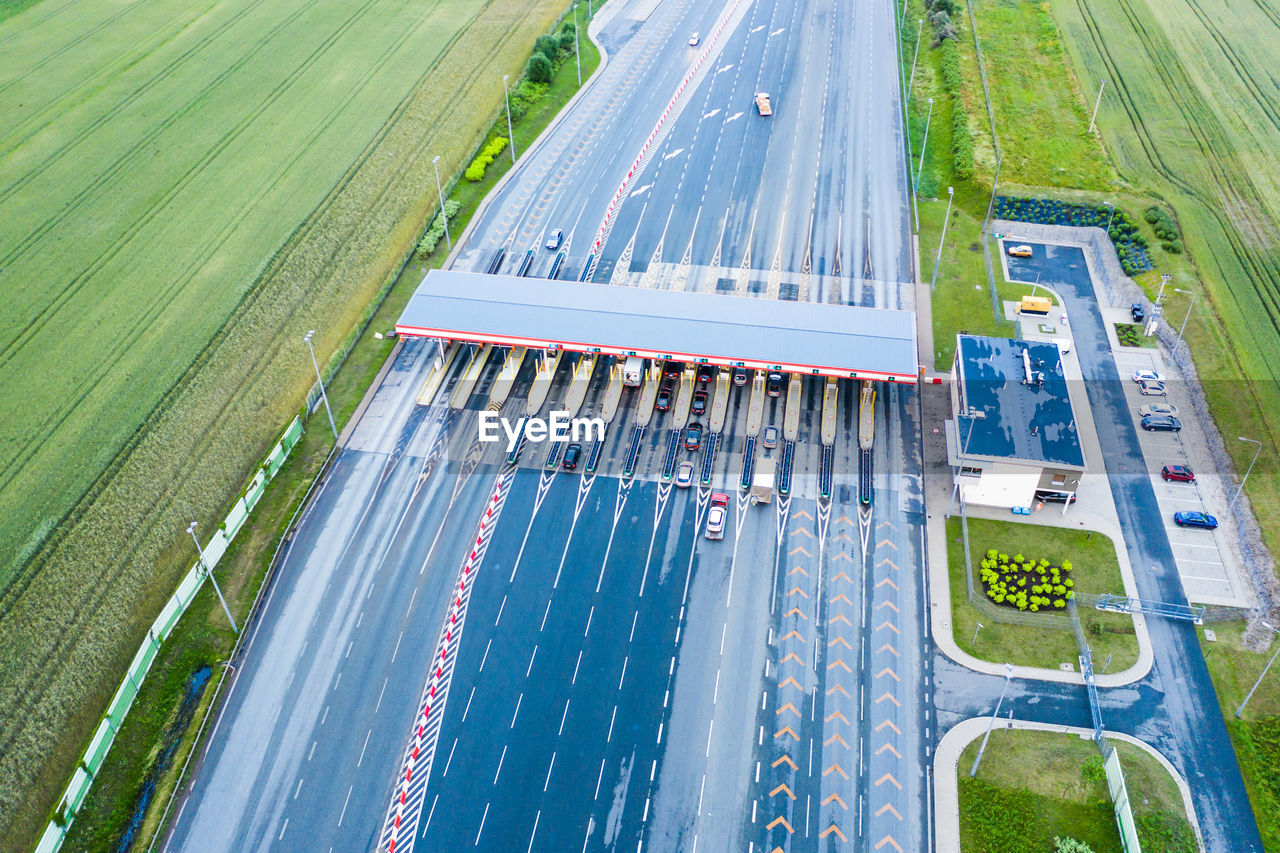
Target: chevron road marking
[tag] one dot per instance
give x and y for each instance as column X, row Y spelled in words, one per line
column 831, row 829
column 799, row 569
column 835, row 768
column 782, row 789
column 791, row 656
column 791, row 708
column 839, row 662
column 796, row 611
column 842, row 556
column 835, row 714
column 885, row 524
column 794, row 590
column 793, row 683
column 844, row 536
column 793, row 633
column 836, row 799
column 800, row 530
column 889, row 696
column 788, row 760
column 889, row 625
column 842, row 576
column 884, row 542
column 842, row 641
column 889, row 747
column 786, row 730
column 844, row 518
column 891, row 563
column 888, row 777
column 841, row 597
column 888, row 808
column 802, row 514
column 888, row 839
column 780, row 820
column 888, row 604
column 840, row 617
column 890, row 648
column 889, row 672
column 890, row 724
column 887, row 582
column 832, row 740
column 799, row 549
column 840, row 689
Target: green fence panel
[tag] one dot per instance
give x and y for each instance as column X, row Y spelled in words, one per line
column 51, row 840
column 216, row 547
column 77, row 790
column 1120, row 796
column 98, row 747
column 253, row 493
column 235, row 518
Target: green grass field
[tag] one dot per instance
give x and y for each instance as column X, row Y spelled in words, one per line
column 186, row 189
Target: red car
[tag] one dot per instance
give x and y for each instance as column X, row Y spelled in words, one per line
column 719, row 499
column 1178, row 473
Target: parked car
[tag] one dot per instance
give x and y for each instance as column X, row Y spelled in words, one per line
column 571, row 454
column 741, row 377
column 1052, row 497
column 663, row 403
column 1166, row 409
column 1192, row 518
column 773, row 387
column 1136, row 312
column 554, row 239
column 694, row 39
column 699, row 402
column 1178, row 473
column 684, row 475
column 1145, row 375
column 1151, row 388
column 1019, row 251
column 770, row 439
column 715, row 522
column 1161, row 423
column 693, row 436
column 706, row 372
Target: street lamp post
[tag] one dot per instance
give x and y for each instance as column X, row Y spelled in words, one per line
column 919, row 30
column 324, row 396
column 577, row 54
column 1240, row 710
column 191, row 528
column 1094, row 115
column 924, row 145
column 1008, row 676
column 951, row 196
column 511, row 137
column 1240, row 487
column 440, row 192
column 1186, row 318
column 1111, row 216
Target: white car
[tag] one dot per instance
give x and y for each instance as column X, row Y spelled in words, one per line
column 684, row 475
column 693, row 40
column 1151, row 388
column 1147, row 376
column 715, row 522
column 1159, row 409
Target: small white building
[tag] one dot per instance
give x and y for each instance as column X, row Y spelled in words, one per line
column 1012, row 431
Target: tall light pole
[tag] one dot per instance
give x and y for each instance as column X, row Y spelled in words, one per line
column 1112, row 216
column 1186, row 318
column 577, row 54
column 324, row 396
column 1101, row 86
column 191, row 528
column 924, row 145
column 1008, row 676
column 919, row 30
column 1240, row 487
column 1240, row 710
column 440, row 192
column 511, row 137
column 951, row 196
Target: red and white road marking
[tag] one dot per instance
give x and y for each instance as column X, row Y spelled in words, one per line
column 405, row 810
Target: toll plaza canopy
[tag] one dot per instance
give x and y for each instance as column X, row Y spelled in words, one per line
column 806, row 337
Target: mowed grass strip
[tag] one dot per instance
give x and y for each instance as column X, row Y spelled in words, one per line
column 69, row 627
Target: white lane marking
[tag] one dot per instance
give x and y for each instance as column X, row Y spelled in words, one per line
column 282, row 829
column 344, row 805
column 397, row 648
column 466, row 710
column 482, row 820
column 501, row 758
column 536, row 818
column 550, row 767
column 297, row 789
column 360, row 760
column 380, row 694
column 519, row 700
column 563, row 717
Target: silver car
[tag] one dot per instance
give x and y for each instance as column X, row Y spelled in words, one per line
column 1165, row 409
column 715, row 522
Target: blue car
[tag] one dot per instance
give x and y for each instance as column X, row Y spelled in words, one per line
column 1195, row 519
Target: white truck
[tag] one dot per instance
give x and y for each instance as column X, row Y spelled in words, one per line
column 633, row 371
column 762, row 481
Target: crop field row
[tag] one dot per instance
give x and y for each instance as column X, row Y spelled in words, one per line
column 186, row 189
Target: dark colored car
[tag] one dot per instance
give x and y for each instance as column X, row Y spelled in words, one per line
column 1178, row 473
column 693, row 436
column 664, row 399
column 773, row 387
column 672, row 368
column 705, row 372
column 1161, row 423
column 1051, row 497
column 1190, row 518
column 699, row 402
column 571, row 454
column 1136, row 312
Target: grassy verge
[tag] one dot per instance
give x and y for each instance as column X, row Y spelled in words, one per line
column 203, row 637
column 1046, row 784
column 1256, row 735
column 1096, row 570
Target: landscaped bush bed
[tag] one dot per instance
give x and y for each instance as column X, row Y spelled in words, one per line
column 1131, row 246
column 1129, row 334
column 1026, row 583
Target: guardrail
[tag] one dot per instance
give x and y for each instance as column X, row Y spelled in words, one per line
column 96, row 753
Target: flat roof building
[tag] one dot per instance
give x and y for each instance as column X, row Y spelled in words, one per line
column 797, row 337
column 1013, row 428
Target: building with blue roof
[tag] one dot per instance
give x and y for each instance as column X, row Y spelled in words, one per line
column 1013, row 428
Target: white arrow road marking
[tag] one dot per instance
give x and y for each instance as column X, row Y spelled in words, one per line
column 724, row 68
column 673, row 154
column 734, row 116
column 643, row 189
column 778, row 31
column 712, row 113
column 757, row 29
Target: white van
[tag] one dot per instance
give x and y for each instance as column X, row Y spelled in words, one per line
column 633, row 371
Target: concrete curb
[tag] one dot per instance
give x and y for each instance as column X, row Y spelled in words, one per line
column 947, row 790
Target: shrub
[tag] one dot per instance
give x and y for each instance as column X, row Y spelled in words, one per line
column 431, row 238
column 566, row 38
column 1024, row 583
column 1093, row 769
column 548, row 46
column 475, row 172
column 961, row 142
column 539, row 69
column 1070, row 845
column 1173, row 247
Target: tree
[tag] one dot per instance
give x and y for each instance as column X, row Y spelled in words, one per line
column 548, row 46
column 1070, row 845
column 539, row 69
